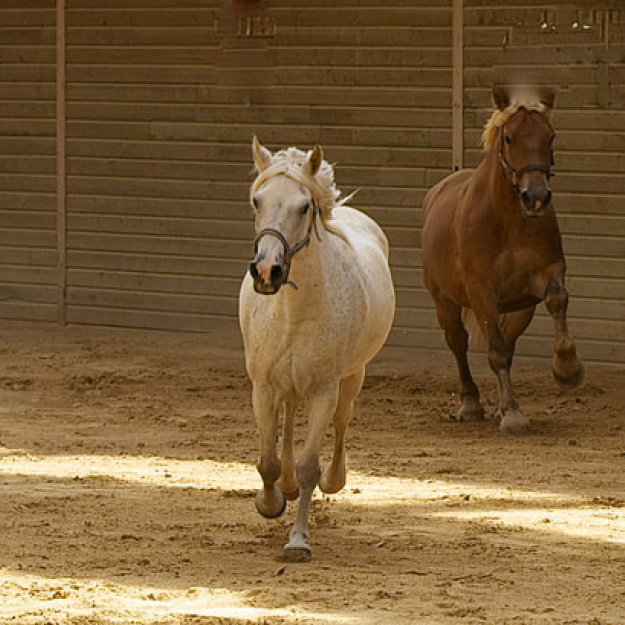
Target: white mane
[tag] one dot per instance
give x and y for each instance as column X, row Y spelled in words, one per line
column 321, row 186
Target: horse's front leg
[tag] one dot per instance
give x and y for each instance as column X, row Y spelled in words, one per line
column 568, row 369
column 500, row 352
column 322, row 408
column 270, row 501
column 288, row 479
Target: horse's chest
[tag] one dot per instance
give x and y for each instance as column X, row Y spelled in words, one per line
column 515, row 270
column 293, row 367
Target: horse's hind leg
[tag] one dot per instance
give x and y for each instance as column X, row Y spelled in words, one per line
column 568, row 369
column 334, row 475
column 270, row 501
column 450, row 318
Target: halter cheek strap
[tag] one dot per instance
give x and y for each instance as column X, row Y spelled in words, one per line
column 518, row 173
column 289, row 251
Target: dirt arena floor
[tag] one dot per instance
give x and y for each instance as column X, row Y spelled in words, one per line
column 127, row 482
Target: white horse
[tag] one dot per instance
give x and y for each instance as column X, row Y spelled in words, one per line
column 332, row 304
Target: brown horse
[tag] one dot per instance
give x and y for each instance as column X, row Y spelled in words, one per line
column 491, row 243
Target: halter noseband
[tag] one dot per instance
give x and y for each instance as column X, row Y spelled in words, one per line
column 518, row 173
column 289, row 251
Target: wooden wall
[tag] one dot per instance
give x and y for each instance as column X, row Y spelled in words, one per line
column 164, row 96
column 162, row 106
column 28, row 237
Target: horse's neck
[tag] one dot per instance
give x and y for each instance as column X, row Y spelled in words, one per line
column 502, row 196
column 308, row 273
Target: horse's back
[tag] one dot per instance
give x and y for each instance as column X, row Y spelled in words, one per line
column 439, row 244
column 367, row 251
column 445, row 191
column 355, row 224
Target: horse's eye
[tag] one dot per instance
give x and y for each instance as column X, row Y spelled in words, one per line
column 255, row 203
column 508, row 140
column 305, row 208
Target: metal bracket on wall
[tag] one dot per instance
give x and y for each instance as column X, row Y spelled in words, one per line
column 562, row 26
column 263, row 26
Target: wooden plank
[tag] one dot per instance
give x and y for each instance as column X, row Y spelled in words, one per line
column 165, row 245
column 158, row 263
column 27, row 164
column 147, row 320
column 203, row 285
column 28, row 275
column 33, row 293
column 408, row 96
column 33, row 257
column 27, row 311
column 146, row 36
column 150, row 16
column 382, row 117
column 152, row 302
column 87, row 73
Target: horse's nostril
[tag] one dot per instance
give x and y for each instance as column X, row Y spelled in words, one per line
column 276, row 274
column 526, row 197
column 254, row 270
column 547, row 199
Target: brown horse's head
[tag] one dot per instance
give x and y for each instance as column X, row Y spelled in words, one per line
column 521, row 133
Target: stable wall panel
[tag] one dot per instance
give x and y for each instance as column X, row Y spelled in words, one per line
column 160, row 130
column 28, row 233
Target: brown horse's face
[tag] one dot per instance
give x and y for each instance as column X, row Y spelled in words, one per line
column 526, row 152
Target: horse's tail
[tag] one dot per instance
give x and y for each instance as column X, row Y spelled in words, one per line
column 477, row 338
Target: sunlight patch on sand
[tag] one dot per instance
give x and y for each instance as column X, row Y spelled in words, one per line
column 210, row 475
column 555, row 513
column 30, row 599
column 606, row 525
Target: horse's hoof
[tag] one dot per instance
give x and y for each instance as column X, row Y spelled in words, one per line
column 570, row 382
column 297, row 549
column 515, row 425
column 470, row 412
column 330, row 486
column 291, row 493
column 297, row 554
column 275, row 509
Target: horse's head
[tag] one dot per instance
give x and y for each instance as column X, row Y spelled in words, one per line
column 525, row 145
column 286, row 212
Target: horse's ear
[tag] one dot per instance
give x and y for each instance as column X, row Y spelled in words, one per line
column 548, row 97
column 313, row 163
column 262, row 156
column 501, row 97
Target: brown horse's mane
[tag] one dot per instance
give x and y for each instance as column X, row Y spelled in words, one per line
column 500, row 117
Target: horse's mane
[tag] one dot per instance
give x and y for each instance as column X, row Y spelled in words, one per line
column 525, row 101
column 321, row 186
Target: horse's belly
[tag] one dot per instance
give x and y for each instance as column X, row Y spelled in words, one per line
column 518, row 303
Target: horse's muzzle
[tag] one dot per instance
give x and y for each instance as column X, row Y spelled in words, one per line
column 275, row 274
column 535, row 200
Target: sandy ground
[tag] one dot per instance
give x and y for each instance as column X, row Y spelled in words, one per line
column 127, row 481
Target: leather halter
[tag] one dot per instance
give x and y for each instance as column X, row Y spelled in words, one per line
column 289, row 251
column 518, row 173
